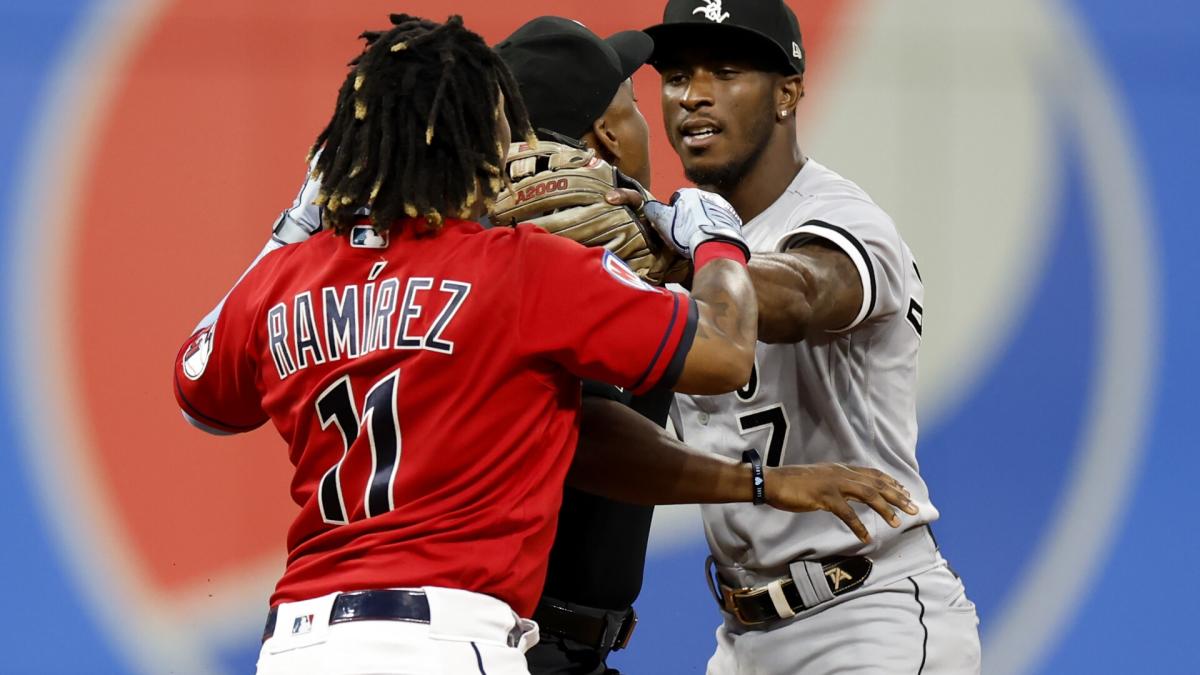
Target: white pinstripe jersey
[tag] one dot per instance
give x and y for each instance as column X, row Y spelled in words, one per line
column 846, row 396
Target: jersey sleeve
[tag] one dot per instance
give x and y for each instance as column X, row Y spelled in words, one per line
column 216, row 379
column 869, row 238
column 597, row 389
column 584, row 309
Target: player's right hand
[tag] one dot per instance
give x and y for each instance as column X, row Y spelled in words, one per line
column 694, row 217
column 829, row 487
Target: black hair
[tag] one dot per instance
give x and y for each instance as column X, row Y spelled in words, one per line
column 414, row 132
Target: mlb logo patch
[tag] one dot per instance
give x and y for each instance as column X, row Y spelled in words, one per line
column 302, row 624
column 365, row 236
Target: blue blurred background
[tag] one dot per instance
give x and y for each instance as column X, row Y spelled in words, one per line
column 1039, row 157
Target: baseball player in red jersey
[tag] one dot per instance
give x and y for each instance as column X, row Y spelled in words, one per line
column 423, row 375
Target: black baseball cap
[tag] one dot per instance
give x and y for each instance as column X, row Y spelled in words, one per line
column 568, row 76
column 770, row 22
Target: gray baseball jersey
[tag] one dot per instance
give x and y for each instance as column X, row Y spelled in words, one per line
column 846, row 396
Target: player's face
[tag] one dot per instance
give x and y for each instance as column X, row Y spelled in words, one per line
column 719, row 111
column 628, row 126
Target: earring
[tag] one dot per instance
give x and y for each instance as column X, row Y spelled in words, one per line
column 783, row 113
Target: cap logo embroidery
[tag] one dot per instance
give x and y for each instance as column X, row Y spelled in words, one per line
column 712, row 11
column 796, row 51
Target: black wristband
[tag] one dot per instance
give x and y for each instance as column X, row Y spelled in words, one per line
column 759, row 484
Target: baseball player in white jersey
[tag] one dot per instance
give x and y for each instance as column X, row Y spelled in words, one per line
column 840, row 321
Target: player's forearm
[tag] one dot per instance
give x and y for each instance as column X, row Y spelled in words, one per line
column 814, row 287
column 623, row 456
column 782, row 285
column 722, row 353
column 725, row 294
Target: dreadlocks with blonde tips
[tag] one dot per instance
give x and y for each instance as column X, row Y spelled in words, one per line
column 414, row 130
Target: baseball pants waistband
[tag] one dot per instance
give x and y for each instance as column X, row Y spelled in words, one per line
column 912, row 552
column 451, row 614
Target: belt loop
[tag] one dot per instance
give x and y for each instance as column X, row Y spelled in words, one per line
column 527, row 635
column 809, row 577
column 710, row 575
column 782, row 606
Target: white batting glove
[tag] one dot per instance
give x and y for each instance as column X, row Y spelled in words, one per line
column 694, row 217
column 303, row 219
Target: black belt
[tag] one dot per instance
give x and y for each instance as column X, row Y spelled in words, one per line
column 600, row 629
column 754, row 606
column 382, row 605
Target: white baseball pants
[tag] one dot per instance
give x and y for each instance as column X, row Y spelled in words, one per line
column 911, row 617
column 468, row 634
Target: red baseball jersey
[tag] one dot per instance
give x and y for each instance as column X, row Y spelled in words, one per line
column 428, row 388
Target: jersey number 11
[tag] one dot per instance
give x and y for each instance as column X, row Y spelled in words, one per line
column 335, row 406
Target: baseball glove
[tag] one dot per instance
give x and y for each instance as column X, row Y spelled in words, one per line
column 561, row 189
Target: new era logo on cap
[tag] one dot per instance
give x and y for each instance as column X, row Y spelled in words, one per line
column 796, row 51
column 712, row 11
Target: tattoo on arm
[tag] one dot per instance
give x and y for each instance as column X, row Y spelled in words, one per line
column 722, row 354
column 727, row 317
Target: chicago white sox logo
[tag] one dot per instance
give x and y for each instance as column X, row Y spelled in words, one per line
column 712, row 11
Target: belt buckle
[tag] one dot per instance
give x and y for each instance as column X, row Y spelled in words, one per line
column 625, row 632
column 731, row 596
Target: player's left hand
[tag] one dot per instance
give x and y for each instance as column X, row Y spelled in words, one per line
column 829, row 487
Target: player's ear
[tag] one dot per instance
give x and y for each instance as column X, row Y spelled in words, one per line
column 601, row 138
column 789, row 89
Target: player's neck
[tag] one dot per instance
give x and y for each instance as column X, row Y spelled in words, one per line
column 767, row 178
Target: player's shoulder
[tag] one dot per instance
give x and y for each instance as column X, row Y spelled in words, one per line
column 279, row 264
column 293, row 258
column 822, row 199
column 549, row 256
column 523, row 253
column 831, row 197
column 531, row 238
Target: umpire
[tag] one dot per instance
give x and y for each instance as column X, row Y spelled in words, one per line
column 576, row 86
